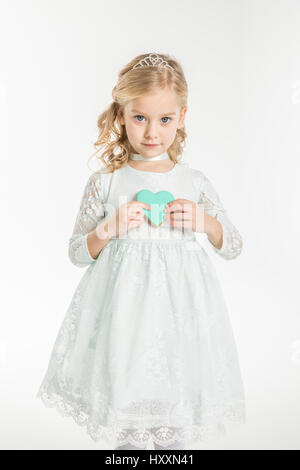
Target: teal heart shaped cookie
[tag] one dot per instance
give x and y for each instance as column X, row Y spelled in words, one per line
column 158, row 202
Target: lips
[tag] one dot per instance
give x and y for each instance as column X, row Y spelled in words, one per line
column 151, row 145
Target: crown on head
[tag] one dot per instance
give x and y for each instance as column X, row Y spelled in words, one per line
column 155, row 61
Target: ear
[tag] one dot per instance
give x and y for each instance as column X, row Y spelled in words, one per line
column 182, row 116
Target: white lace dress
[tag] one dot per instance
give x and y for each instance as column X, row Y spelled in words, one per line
column 146, row 353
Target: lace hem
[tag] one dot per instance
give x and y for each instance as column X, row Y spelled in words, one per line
column 145, row 436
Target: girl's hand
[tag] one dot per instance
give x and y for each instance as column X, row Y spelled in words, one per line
column 127, row 216
column 185, row 213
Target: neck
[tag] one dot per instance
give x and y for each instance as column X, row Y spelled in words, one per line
column 159, row 163
column 138, row 156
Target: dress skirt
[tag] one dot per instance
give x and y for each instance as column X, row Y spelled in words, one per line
column 146, row 352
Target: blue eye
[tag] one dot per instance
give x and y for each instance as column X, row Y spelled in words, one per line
column 165, row 117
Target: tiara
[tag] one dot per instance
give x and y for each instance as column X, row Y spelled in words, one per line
column 155, row 61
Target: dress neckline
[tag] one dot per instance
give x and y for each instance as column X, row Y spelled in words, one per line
column 153, row 172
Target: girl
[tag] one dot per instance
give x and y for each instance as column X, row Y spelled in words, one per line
column 146, row 356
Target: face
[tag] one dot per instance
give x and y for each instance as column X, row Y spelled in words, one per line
column 152, row 119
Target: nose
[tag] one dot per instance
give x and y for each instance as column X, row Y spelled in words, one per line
column 151, row 133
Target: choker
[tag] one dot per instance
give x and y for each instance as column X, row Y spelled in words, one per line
column 137, row 156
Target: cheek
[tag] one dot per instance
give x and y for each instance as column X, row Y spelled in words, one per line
column 171, row 132
column 133, row 131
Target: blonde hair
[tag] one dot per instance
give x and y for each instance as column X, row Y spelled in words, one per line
column 132, row 84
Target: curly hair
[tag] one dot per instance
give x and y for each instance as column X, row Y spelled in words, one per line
column 133, row 83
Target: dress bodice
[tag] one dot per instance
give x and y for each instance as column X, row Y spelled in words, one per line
column 124, row 188
column 105, row 192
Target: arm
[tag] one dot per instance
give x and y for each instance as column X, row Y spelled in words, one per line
column 213, row 230
column 221, row 233
column 84, row 244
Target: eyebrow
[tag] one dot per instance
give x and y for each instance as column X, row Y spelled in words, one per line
column 140, row 112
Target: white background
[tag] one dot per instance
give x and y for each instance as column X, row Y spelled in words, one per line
column 59, row 63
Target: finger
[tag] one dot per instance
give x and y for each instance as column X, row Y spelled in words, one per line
column 135, row 210
column 137, row 217
column 177, row 205
column 177, row 208
column 138, row 205
column 178, row 217
column 179, row 201
column 183, row 216
column 182, row 224
column 144, row 205
column 134, row 223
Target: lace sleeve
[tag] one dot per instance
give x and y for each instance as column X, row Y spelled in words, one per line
column 210, row 201
column 90, row 213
